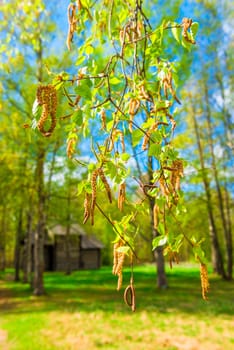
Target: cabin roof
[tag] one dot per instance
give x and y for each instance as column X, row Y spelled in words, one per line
column 87, row 241
column 75, row 229
column 90, row 242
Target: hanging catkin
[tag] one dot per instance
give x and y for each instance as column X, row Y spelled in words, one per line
column 134, row 105
column 71, row 11
column 121, row 195
column 47, row 98
column 156, row 212
column 176, row 173
column 94, row 194
column 204, row 280
column 105, row 183
column 147, row 136
column 87, row 203
column 186, row 24
column 118, row 260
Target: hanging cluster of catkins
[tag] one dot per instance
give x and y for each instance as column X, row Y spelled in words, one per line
column 131, row 32
column 116, row 134
column 47, row 98
column 167, row 86
column 90, row 199
column 176, row 173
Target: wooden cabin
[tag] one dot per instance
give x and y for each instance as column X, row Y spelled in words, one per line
column 84, row 250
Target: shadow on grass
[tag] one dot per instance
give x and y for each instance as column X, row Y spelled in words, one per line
column 89, row 291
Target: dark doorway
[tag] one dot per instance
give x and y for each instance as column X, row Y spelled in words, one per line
column 49, row 258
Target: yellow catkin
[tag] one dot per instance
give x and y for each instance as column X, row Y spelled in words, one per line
column 87, row 203
column 79, row 4
column 120, row 281
column 156, row 212
column 121, row 195
column 94, row 194
column 115, row 257
column 116, row 133
column 167, row 85
column 186, row 24
column 147, row 136
column 118, row 260
column 70, row 147
column 134, row 105
column 119, row 268
column 105, row 183
column 71, row 10
column 47, row 98
column 163, row 187
column 176, row 173
column 143, row 94
column 103, row 118
column 120, row 271
column 204, row 280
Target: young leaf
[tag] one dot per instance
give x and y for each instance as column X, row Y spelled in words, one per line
column 125, row 157
column 154, row 150
column 176, row 31
column 77, row 117
column 136, row 137
column 194, row 28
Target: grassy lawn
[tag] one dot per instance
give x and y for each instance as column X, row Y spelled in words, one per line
column 85, row 312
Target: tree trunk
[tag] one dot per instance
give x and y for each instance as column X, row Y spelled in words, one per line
column 218, row 187
column 67, row 237
column 3, row 238
column 158, row 252
column 28, row 250
column 229, row 235
column 218, row 265
column 17, row 246
column 39, row 235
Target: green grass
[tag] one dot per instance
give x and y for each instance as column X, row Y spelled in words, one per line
column 85, row 312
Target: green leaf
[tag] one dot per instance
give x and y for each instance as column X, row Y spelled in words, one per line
column 80, row 60
column 115, row 81
column 77, row 117
column 136, row 137
column 89, row 50
column 160, row 105
column 111, row 169
column 83, row 90
column 80, row 187
column 154, row 150
column 125, row 157
column 176, row 31
column 194, row 28
column 159, row 241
